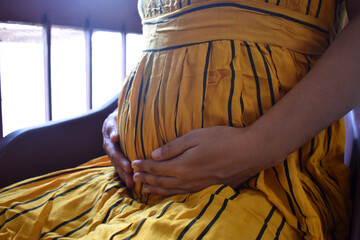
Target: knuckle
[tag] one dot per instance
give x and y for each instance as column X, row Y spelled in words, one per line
column 220, row 175
column 148, row 167
column 163, row 192
column 155, row 181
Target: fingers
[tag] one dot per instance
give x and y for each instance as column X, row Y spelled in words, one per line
column 122, row 165
column 124, row 176
column 164, row 168
column 159, row 181
column 173, row 148
column 112, row 149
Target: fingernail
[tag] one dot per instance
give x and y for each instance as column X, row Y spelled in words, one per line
column 133, row 164
column 112, row 134
column 136, row 177
column 156, row 153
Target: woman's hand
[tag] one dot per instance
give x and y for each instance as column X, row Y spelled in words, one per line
column 112, row 149
column 204, row 157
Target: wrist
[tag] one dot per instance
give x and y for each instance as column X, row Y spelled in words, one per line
column 270, row 146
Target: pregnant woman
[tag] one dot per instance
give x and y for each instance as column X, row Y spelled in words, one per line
column 228, row 128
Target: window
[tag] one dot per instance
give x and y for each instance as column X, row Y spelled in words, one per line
column 23, row 85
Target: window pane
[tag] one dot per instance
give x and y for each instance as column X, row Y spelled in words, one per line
column 68, row 72
column 22, row 76
column 107, row 73
column 135, row 44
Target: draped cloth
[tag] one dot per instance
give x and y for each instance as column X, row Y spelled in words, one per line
column 207, row 63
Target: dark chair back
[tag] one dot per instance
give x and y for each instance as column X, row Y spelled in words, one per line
column 57, row 145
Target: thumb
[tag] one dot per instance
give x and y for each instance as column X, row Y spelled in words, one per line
column 172, row 149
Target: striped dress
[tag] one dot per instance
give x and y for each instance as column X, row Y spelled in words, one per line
column 207, row 63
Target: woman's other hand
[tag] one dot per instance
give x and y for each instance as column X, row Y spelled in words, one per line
column 204, row 157
column 112, row 148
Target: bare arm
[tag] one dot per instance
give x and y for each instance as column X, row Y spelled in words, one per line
column 329, row 91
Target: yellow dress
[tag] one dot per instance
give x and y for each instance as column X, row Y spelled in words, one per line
column 207, row 63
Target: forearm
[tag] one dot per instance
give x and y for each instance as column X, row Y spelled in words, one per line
column 325, row 94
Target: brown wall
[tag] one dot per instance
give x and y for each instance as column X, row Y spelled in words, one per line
column 102, row 14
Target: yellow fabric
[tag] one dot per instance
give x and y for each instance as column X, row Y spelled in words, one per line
column 183, row 83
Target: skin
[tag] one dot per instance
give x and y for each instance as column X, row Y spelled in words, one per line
column 190, row 163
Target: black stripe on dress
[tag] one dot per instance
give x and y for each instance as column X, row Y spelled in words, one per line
column 288, row 198
column 53, row 198
column 168, row 205
column 111, row 208
column 189, row 2
column 286, row 193
column 300, row 159
column 44, row 195
column 186, row 229
column 312, row 143
column 137, row 114
column 137, row 228
column 328, row 139
column 157, row 103
column 329, row 134
column 272, row 96
column 267, row 219
column 48, row 177
column 180, row 4
column 124, row 141
column 126, row 101
column 308, row 63
column 280, row 229
column 258, row 94
column 78, row 216
column 128, row 205
column 119, row 214
column 205, row 82
column 176, row 111
column 142, row 116
column 308, row 7
column 32, row 200
column 320, row 190
column 242, row 109
column 319, row 8
column 72, row 231
column 218, row 214
column 286, row 169
column 177, row 103
column 235, row 195
column 232, row 84
column 144, row 219
column 118, row 232
column 276, row 72
column 256, row 181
